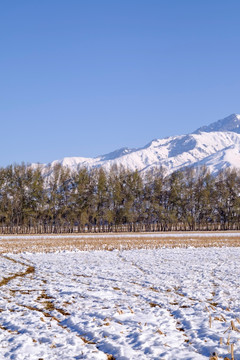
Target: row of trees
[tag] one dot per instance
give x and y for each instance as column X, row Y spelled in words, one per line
column 117, row 200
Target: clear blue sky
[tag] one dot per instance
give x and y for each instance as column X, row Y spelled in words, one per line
column 85, row 77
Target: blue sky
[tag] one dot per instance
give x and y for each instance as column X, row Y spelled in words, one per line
column 83, row 78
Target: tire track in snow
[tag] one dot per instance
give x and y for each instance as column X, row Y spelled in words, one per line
column 30, row 270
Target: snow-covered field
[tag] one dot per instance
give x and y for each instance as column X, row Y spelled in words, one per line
column 167, row 303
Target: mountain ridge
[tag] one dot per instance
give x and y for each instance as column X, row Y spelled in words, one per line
column 216, row 146
column 230, row 123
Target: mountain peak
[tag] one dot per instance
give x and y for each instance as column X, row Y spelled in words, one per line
column 229, row 123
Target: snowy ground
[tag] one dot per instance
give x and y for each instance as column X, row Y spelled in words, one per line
column 180, row 303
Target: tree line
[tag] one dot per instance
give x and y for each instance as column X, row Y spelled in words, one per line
column 97, row 200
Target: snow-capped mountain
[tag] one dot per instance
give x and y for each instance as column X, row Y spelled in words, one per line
column 216, row 146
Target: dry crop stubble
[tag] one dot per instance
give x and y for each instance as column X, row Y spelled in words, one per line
column 110, row 242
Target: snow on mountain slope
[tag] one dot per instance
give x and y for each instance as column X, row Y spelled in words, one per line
column 216, row 150
column 226, row 158
column 230, row 123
